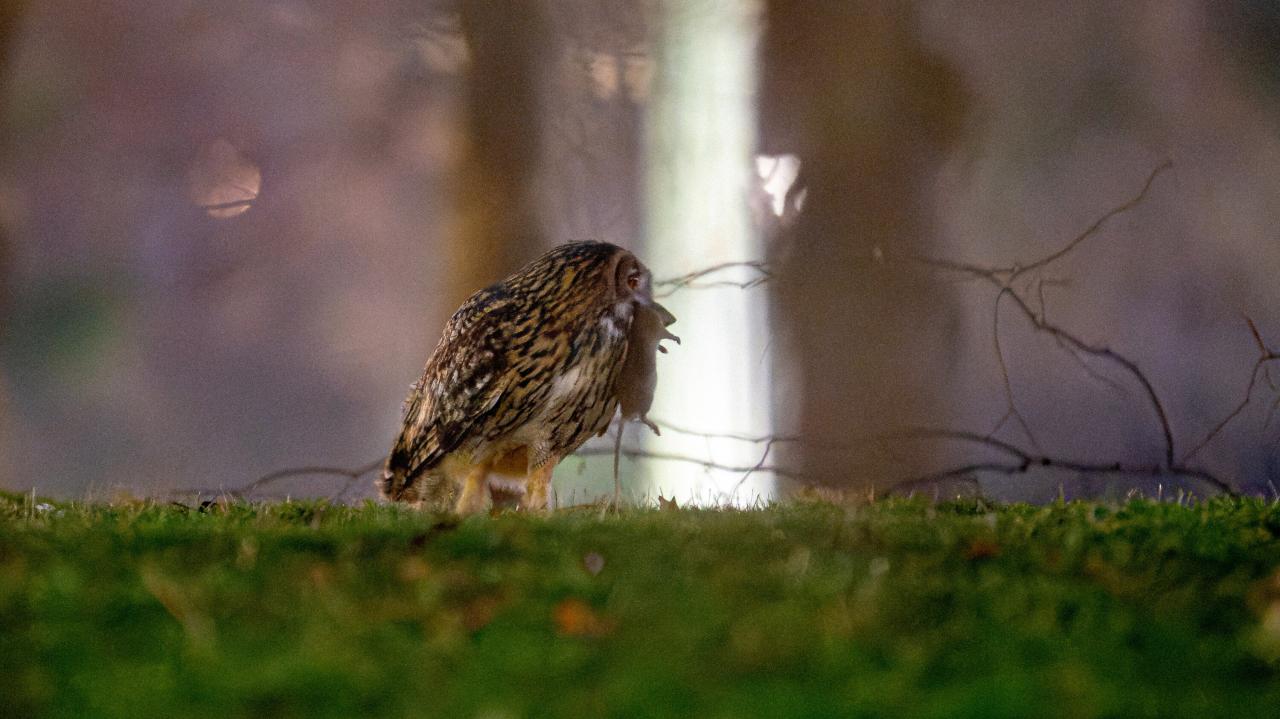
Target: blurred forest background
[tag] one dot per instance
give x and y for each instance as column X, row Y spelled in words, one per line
column 230, row 231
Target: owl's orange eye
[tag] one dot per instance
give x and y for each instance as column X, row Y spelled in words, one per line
column 633, row 281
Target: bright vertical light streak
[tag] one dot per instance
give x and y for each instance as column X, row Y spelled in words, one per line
column 701, row 144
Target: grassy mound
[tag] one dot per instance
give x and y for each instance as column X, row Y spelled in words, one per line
column 894, row 608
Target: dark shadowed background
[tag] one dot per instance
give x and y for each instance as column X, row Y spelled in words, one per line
column 230, row 232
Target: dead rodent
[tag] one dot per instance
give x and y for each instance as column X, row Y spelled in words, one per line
column 639, row 375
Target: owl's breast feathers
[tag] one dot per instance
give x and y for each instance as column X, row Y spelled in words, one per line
column 536, row 354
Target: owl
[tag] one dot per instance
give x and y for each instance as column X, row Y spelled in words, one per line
column 524, row 373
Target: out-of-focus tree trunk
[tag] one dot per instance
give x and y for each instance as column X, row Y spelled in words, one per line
column 597, row 88
column 701, row 138
column 10, row 14
column 499, row 225
column 847, row 87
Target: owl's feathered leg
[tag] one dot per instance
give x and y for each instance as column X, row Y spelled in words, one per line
column 535, row 488
column 474, row 486
column 506, row 480
column 503, row 498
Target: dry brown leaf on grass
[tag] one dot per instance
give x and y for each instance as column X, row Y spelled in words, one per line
column 413, row 569
column 480, row 611
column 982, row 549
column 576, row 618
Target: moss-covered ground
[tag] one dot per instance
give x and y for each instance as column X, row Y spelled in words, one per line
column 896, row 608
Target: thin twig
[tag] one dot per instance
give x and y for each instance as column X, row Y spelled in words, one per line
column 690, row 280
column 1093, row 374
column 1021, row 461
column 758, row 466
column 1111, row 355
column 351, row 473
column 341, row 494
column 962, row 436
column 633, row 454
column 1002, row 279
column 756, row 438
column 1010, row 405
column 1265, row 356
column 1016, row 271
column 1100, row 351
column 963, row 473
column 1027, row 461
column 738, row 436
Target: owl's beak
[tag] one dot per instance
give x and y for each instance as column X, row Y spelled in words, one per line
column 643, row 296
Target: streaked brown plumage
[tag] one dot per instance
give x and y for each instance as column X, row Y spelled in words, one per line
column 525, row 372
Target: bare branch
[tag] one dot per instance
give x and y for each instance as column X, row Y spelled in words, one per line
column 1265, row 356
column 963, row 436
column 1002, row 279
column 352, row 474
column 963, row 473
column 633, row 454
column 764, row 456
column 1041, row 325
column 1093, row 374
column 1016, row 459
column 1015, row 272
column 690, row 279
column 1089, row 468
column 754, row 439
column 1257, row 337
column 1010, row 405
column 341, row 495
column 1111, row 355
column 1025, row 462
column 1004, row 276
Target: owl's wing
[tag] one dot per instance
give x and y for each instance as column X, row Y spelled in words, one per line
column 464, row 380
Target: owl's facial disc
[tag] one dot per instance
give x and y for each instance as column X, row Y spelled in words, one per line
column 639, row 282
column 632, row 280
